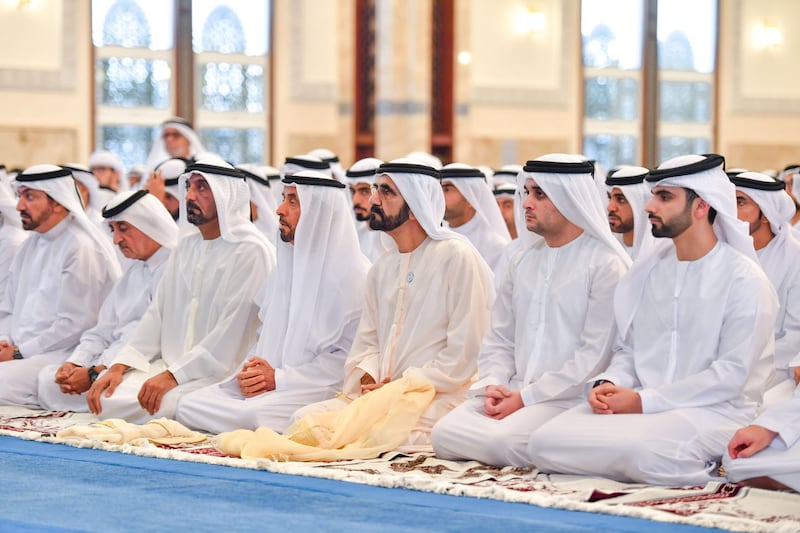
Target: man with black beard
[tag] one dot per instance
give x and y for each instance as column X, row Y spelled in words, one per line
column 203, row 318
column 309, row 312
column 360, row 177
column 427, row 300
column 695, row 317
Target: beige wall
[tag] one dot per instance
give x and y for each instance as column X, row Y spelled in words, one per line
column 759, row 88
column 45, row 77
column 313, row 83
column 518, row 98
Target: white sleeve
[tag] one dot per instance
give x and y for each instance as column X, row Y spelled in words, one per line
column 496, row 358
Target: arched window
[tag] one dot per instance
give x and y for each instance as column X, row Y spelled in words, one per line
column 137, row 78
column 126, row 25
column 612, row 81
column 222, row 32
column 133, row 74
column 686, row 53
column 676, row 105
column 231, row 58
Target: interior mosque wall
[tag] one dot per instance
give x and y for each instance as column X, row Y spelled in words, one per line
column 402, row 77
column 45, row 82
column 517, row 85
column 759, row 83
column 517, row 95
column 312, row 83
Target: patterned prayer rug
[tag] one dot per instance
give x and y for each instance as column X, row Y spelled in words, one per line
column 721, row 505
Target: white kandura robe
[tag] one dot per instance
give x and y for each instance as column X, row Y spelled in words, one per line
column 370, row 241
column 786, row 280
column 57, row 284
column 199, row 327
column 426, row 313
column 698, row 354
column 119, row 316
column 223, row 407
column 489, row 243
column 11, row 238
column 551, row 332
column 781, row 459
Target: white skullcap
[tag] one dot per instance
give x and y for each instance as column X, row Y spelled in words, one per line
column 146, row 213
column 505, row 190
column 363, row 171
column 328, row 156
column 104, row 158
column 425, row 158
column 138, row 169
column 170, row 170
column 299, row 163
column 82, row 174
column 506, row 174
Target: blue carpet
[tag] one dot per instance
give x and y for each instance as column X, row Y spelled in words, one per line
column 48, row 487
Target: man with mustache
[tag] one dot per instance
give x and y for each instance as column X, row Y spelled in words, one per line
column 627, row 195
column 58, row 280
column 763, row 204
column 310, row 311
column 471, row 210
column 360, row 178
column 145, row 233
column 427, row 300
column 695, row 317
column 551, row 330
column 203, row 318
column 176, row 139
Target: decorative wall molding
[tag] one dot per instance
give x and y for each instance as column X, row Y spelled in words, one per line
column 410, row 107
column 63, row 79
column 24, row 146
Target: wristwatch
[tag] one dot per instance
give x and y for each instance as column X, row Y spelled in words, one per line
column 17, row 355
column 600, row 382
column 93, row 373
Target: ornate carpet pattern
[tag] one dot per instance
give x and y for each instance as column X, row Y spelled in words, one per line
column 721, row 505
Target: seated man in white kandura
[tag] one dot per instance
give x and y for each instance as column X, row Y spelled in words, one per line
column 204, row 317
column 768, row 210
column 427, row 302
column 766, row 453
column 144, row 232
column 309, row 314
column 58, row 280
column 695, row 319
column 551, row 329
